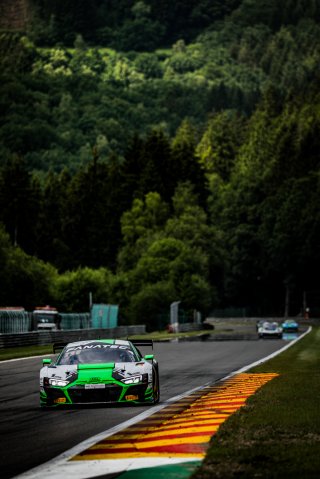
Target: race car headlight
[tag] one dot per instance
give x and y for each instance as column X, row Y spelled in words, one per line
column 132, row 380
column 58, row 382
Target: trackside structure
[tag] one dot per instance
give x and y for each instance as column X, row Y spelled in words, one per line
column 17, row 320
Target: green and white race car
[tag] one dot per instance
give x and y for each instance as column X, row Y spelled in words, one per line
column 100, row 371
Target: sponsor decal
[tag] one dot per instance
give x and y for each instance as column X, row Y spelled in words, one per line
column 71, row 376
column 83, row 347
column 60, row 400
column 120, row 374
column 94, row 386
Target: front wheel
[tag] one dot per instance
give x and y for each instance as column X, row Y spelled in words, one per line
column 156, row 388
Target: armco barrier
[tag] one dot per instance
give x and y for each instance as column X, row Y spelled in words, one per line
column 49, row 337
column 186, row 327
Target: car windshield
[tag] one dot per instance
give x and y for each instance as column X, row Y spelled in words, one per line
column 270, row 326
column 96, row 353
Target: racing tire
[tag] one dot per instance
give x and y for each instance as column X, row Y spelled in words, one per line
column 156, row 388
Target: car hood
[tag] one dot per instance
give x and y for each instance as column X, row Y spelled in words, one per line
column 87, row 373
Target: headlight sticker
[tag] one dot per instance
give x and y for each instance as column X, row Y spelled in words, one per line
column 58, row 382
column 132, row 379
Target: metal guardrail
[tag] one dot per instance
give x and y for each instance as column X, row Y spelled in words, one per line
column 38, row 338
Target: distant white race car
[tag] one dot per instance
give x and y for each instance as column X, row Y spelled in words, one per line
column 270, row 330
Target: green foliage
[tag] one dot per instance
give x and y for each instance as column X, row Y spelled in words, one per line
column 139, row 225
column 140, row 33
column 174, row 143
column 148, row 304
column 149, row 65
column 220, row 143
column 93, row 205
column 160, row 261
column 58, row 100
column 189, row 220
column 145, row 23
column 185, row 162
column 19, row 204
column 268, row 211
column 25, row 280
column 72, row 288
column 17, row 52
column 167, row 267
column 51, row 244
column 274, row 13
column 171, row 255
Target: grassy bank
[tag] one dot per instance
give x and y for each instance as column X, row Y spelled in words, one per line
column 27, row 351
column 277, row 433
column 24, row 352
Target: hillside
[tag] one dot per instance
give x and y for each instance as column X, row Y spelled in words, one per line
column 140, row 25
column 182, row 158
column 84, row 96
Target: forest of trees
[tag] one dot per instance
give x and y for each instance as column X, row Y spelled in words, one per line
column 178, row 161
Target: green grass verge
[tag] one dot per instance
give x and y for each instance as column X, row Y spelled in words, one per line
column 165, row 336
column 24, row 352
column 27, row 351
column 277, row 433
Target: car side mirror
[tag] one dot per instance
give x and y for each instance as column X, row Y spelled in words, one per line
column 46, row 361
column 148, row 356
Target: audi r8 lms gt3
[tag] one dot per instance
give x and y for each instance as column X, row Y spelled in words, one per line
column 290, row 326
column 100, row 371
column 270, row 330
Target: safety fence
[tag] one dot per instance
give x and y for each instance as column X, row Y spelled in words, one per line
column 15, row 321
column 75, row 321
column 22, row 321
column 39, row 338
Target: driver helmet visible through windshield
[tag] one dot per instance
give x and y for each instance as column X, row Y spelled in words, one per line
column 96, row 353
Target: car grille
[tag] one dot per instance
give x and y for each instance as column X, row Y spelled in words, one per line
column 81, row 395
column 52, row 394
column 137, row 391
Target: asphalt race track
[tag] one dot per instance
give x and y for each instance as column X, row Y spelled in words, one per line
column 31, row 436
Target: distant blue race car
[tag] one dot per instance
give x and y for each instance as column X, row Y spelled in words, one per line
column 290, row 326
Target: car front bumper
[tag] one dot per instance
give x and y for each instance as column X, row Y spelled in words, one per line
column 95, row 394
